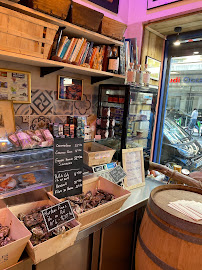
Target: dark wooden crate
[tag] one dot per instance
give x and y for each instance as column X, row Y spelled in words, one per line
column 85, row 17
column 112, row 28
column 55, row 8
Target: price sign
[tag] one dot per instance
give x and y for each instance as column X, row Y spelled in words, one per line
column 133, row 165
column 68, row 167
column 57, row 215
column 117, row 174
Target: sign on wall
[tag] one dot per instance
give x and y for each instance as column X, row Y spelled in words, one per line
column 158, row 3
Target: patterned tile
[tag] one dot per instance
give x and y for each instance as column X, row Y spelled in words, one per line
column 42, row 102
column 62, row 107
column 37, row 122
column 22, row 122
column 59, row 119
column 95, row 104
column 83, row 107
column 21, row 109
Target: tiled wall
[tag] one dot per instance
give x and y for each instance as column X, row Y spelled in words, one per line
column 45, row 107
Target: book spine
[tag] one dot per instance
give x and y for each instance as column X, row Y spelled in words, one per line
column 56, row 42
column 73, row 48
column 93, row 57
column 80, row 51
column 90, row 51
column 85, row 54
column 77, row 48
column 61, row 45
column 69, row 49
column 65, row 48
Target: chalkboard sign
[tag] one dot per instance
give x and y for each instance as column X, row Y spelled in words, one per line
column 117, row 174
column 68, row 167
column 133, row 165
column 57, row 215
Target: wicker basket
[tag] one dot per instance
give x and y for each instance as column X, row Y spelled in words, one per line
column 55, row 8
column 104, row 211
column 112, row 28
column 85, row 17
column 96, row 154
column 20, row 33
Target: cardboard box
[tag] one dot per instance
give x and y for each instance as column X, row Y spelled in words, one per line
column 10, row 254
column 104, row 211
column 52, row 246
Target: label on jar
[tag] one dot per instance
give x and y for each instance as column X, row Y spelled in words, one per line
column 146, row 78
column 130, row 76
column 113, row 64
column 139, row 77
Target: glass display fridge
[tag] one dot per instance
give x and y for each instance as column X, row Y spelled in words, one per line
column 125, row 116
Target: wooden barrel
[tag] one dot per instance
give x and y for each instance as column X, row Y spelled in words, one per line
column 168, row 239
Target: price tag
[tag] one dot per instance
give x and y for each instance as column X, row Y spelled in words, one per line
column 57, row 215
column 68, row 167
column 117, row 174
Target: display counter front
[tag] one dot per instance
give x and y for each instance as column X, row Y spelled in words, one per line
column 108, row 244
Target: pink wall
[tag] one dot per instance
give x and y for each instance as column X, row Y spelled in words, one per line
column 122, row 16
column 138, row 14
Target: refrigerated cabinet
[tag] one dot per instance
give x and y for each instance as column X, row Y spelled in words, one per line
column 133, row 109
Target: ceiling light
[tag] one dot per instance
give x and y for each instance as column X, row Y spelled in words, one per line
column 177, row 30
column 196, row 52
column 177, row 42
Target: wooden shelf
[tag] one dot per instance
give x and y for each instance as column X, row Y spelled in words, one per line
column 70, row 29
column 39, row 62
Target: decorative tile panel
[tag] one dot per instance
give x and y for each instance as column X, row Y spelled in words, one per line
column 22, row 122
column 37, row 122
column 62, row 107
column 83, row 107
column 42, row 102
column 21, row 109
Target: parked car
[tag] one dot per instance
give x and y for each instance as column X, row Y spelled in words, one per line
column 178, row 146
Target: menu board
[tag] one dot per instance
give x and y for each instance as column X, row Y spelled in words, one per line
column 117, row 174
column 57, row 215
column 133, row 165
column 68, row 167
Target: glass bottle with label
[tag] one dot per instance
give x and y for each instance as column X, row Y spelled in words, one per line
column 130, row 75
column 139, row 76
column 146, row 76
column 113, row 65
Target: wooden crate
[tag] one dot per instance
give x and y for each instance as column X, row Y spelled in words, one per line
column 23, row 34
column 96, row 154
column 52, row 246
column 55, row 8
column 10, row 254
column 104, row 211
column 112, row 28
column 85, row 17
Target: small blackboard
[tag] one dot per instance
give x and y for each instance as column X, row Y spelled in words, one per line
column 68, row 167
column 117, row 174
column 57, row 215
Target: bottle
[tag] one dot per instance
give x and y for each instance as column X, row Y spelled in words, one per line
column 113, row 65
column 139, row 76
column 130, row 75
column 146, row 76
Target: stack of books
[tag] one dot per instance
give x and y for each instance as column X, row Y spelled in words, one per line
column 81, row 52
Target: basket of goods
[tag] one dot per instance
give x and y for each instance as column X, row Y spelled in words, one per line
column 85, row 17
column 25, row 35
column 99, row 200
column 96, row 154
column 13, row 238
column 112, row 28
column 44, row 243
column 58, row 9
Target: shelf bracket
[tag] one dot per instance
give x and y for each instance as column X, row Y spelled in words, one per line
column 99, row 79
column 47, row 70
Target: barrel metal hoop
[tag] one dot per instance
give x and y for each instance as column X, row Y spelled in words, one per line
column 185, row 237
column 153, row 257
